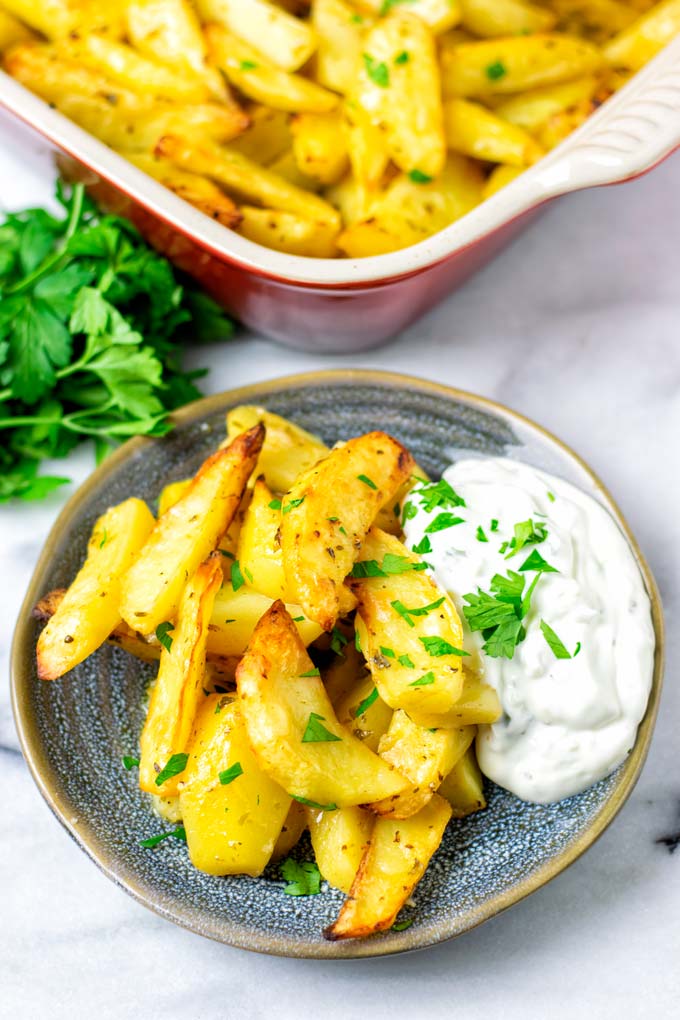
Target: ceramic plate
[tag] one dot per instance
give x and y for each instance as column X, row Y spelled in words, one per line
column 74, row 731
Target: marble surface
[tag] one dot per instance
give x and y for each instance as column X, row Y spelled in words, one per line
column 576, row 325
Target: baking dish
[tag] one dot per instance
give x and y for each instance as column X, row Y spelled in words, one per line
column 350, row 305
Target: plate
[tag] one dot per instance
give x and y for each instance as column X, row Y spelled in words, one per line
column 74, row 731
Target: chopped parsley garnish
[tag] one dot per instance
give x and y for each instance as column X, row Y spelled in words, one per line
column 356, row 19
column 403, row 57
column 316, row 732
column 248, row 574
column 402, row 925
column 391, row 564
column 418, row 177
column 409, row 511
column 104, row 539
column 481, row 535
column 174, row 766
column 303, row 878
column 311, row 672
column 377, row 71
column 556, row 645
column 275, row 504
column 163, row 635
column 225, row 552
column 443, row 521
column 364, row 705
column 551, row 496
column 315, row 804
column 438, row 495
column 237, row 578
column 494, row 524
column 247, row 65
column 423, row 547
column 496, row 70
column 298, row 619
column 400, row 608
column 526, row 533
column 437, row 646
column 387, row 6
column 338, row 641
column 387, row 652
column 291, row 504
column 499, row 613
column 424, row 681
column 229, row 775
column 406, row 661
column 129, row 762
column 367, row 481
column 535, row 561
column 178, row 833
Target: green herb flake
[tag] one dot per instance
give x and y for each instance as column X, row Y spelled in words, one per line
column 367, row 481
column 388, row 5
column 237, row 578
column 402, row 925
column 315, row 804
column 387, row 652
column 408, row 512
column 443, row 521
column 229, row 775
column 438, row 646
column 535, row 561
column 392, row 564
column 104, row 539
column 526, row 533
column 310, row 673
column 499, row 613
column 438, row 495
column 163, row 634
column 551, row 496
column 292, row 503
column 423, row 547
column 227, row 554
column 364, row 705
column 406, row 613
column 178, row 833
column 174, row 767
column 316, row 732
column 129, row 762
column 275, row 504
column 403, row 57
column 298, row 619
column 557, row 647
column 494, row 524
column 377, row 71
column 303, row 878
column 418, row 177
column 496, row 70
column 406, row 661
column 577, row 649
column 424, row 681
column 247, row 65
column 338, row 641
column 481, row 536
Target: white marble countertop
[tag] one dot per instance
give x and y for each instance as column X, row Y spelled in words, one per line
column 577, row 326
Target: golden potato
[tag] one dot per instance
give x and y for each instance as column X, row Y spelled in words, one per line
column 293, row 728
column 89, row 610
column 464, row 786
column 642, row 40
column 363, row 712
column 285, row 231
column 259, row 543
column 236, row 614
column 478, row 704
column 330, row 507
column 286, row 41
column 490, row 18
column 294, row 825
column 476, row 131
column 339, row 840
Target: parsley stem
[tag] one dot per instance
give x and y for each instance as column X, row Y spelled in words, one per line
column 55, row 258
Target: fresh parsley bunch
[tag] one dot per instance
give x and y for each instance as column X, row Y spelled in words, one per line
column 90, row 317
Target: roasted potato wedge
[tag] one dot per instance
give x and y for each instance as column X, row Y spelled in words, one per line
column 331, row 508
column 12, row 31
column 259, row 544
column 339, row 840
column 408, row 629
column 232, row 811
column 293, row 728
column 199, row 191
column 179, row 685
column 478, row 705
column 339, row 34
column 89, row 610
column 464, row 786
column 286, row 41
column 184, row 536
column 285, row 231
column 294, row 825
column 490, row 18
column 237, row 613
column 363, row 712
column 393, row 864
column 438, row 15
column 287, row 450
column 425, row 756
column 642, row 40
column 476, row 131
column 319, row 146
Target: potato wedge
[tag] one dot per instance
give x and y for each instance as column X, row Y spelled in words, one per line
column 392, row 866
column 425, row 756
column 286, row 41
column 499, row 177
column 498, row 66
column 476, row 131
column 199, row 191
column 169, row 31
column 531, row 109
column 89, row 610
column 236, row 615
column 598, row 20
column 491, row 18
column 245, row 179
column 285, row 231
column 642, row 40
column 259, row 544
column 339, row 840
column 56, row 18
column 339, row 34
column 438, row 15
column 402, row 94
column 409, row 630
column 287, row 449
column 294, row 825
column 250, row 71
column 343, row 675
column 232, row 811
column 331, row 507
column 319, row 146
column 363, row 712
column 179, row 685
column 477, row 705
column 187, row 533
column 464, row 786
column 292, row 726
column 267, row 136
column 368, row 153
column 12, row 31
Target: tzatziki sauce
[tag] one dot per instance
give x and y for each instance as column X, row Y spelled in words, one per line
column 577, row 684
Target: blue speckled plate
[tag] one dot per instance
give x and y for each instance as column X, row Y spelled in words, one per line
column 74, row 731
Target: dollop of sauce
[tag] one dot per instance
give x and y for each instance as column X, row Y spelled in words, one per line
column 567, row 721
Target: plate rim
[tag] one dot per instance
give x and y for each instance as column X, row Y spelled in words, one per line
column 263, row 942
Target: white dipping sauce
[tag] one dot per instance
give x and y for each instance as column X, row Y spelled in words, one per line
column 566, row 722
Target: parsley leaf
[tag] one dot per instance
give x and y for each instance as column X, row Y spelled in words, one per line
column 418, row 177
column 377, row 71
column 423, row 681
column 556, row 645
column 364, row 705
column 535, row 561
column 442, row 495
column 400, row 608
column 443, row 521
column 496, row 70
column 526, row 533
column 174, row 766
column 438, row 646
column 406, row 661
column 422, row 547
column 291, row 504
column 392, row 564
column 162, row 633
column 237, row 578
column 227, row 776
column 481, row 534
column 316, row 732
column 367, row 481
column 129, row 762
column 303, row 878
column 178, row 833
column 315, row 804
column 311, row 672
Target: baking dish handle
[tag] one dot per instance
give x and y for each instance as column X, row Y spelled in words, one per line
column 630, row 134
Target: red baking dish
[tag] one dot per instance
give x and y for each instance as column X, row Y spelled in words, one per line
column 350, row 305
